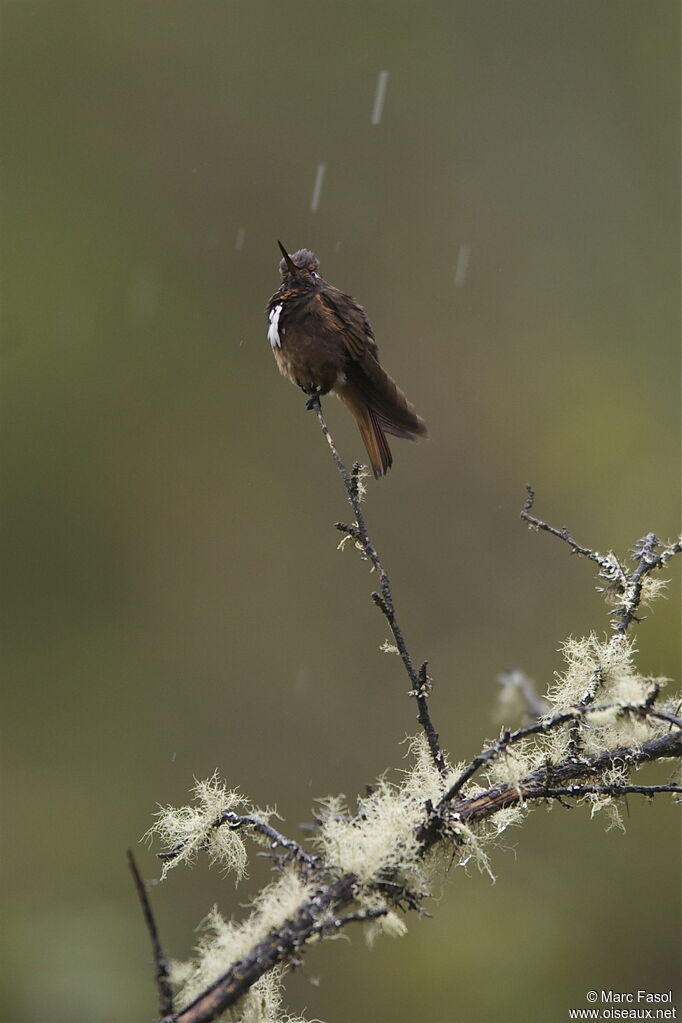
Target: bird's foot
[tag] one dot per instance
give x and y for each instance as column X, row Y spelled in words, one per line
column 313, row 402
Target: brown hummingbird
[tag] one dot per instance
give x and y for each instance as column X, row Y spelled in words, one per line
column 323, row 341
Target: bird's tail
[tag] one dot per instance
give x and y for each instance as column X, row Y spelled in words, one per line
column 371, row 432
column 379, row 407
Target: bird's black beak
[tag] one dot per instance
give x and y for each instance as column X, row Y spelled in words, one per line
column 291, row 266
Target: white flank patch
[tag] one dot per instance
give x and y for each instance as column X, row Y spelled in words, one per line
column 273, row 329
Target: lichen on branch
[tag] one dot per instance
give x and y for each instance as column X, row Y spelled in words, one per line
column 372, row 861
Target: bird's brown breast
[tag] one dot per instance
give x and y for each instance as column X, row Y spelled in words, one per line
column 306, row 347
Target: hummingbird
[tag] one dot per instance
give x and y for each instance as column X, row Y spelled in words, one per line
column 323, row 341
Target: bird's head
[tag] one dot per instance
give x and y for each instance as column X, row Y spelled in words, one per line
column 301, row 268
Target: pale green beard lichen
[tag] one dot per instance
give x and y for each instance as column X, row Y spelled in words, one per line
column 607, row 670
column 652, row 590
column 380, row 838
column 377, row 842
column 223, row 942
column 189, row 829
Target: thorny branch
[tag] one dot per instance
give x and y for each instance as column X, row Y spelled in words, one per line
column 160, row 962
column 604, row 563
column 236, row 821
column 627, row 586
column 334, row 902
column 508, row 738
column 538, row 784
column 325, row 910
column 601, row 790
column 419, row 680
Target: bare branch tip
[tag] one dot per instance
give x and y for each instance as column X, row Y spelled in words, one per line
column 530, row 499
column 163, row 985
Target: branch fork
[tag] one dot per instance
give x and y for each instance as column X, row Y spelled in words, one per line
column 337, row 898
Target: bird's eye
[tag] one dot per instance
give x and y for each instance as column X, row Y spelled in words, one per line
column 313, row 274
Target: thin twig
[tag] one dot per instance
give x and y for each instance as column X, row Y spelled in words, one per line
column 562, row 534
column 588, row 698
column 419, row 681
column 485, row 804
column 644, row 553
column 296, row 851
column 627, row 585
column 236, row 821
column 160, row 962
column 574, row 714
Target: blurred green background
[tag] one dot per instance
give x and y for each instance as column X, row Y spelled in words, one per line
column 175, row 601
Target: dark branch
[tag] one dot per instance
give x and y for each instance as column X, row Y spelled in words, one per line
column 160, row 962
column 604, row 563
column 282, row 944
column 292, row 848
column 539, row 784
column 628, row 586
column 333, row 926
column 293, row 851
column 602, row 790
column 419, row 682
column 539, row 781
column 324, row 912
column 574, row 714
column 337, row 900
column 644, row 553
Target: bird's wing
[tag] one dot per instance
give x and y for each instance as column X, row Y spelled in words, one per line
column 367, row 379
column 349, row 322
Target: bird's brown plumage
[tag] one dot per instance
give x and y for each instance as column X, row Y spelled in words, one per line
column 323, row 341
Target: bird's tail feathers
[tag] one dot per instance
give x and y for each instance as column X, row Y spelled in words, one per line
column 370, row 426
column 391, row 409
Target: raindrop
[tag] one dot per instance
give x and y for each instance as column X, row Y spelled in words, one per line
column 462, row 265
column 379, row 97
column 317, row 187
column 239, row 240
